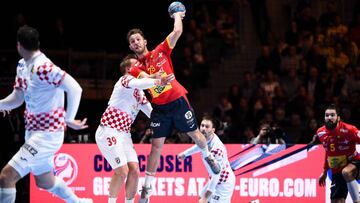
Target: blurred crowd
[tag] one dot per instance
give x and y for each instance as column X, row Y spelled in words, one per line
column 315, row 63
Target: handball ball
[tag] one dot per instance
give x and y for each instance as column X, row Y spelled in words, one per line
column 175, row 7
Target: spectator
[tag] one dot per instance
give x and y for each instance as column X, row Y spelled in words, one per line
column 268, row 135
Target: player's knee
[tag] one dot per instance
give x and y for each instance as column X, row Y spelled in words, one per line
column 156, row 147
column 122, row 171
column 2, row 180
column 44, row 183
column 41, row 185
column 134, row 172
column 348, row 173
column 7, row 178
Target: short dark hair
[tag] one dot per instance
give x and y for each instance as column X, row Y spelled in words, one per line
column 215, row 122
column 333, row 107
column 126, row 62
column 28, row 37
column 134, row 31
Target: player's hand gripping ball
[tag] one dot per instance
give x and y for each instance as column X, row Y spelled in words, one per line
column 175, row 7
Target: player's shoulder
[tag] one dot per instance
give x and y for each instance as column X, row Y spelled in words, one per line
column 217, row 142
column 137, row 64
column 348, row 126
column 321, row 131
column 43, row 62
column 125, row 79
column 164, row 45
column 137, row 67
column 41, row 59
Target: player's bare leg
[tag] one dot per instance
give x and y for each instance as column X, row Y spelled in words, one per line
column 8, row 179
column 132, row 180
column 349, row 173
column 152, row 164
column 117, row 180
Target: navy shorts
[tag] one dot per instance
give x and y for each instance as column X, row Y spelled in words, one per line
column 178, row 114
column 338, row 187
column 338, row 184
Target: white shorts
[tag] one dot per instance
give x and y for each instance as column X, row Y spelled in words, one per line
column 223, row 192
column 37, row 153
column 117, row 147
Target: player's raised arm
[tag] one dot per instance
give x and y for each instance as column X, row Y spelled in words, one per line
column 177, row 11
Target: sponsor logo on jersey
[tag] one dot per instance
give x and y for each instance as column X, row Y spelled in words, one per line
column 154, row 125
column 344, row 130
column 188, row 115
column 162, row 62
column 342, row 148
column 33, row 69
column 20, row 65
column 344, row 142
column 30, row 149
column 321, row 133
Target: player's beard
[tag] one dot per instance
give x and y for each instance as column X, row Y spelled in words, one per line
column 140, row 50
column 331, row 125
column 206, row 135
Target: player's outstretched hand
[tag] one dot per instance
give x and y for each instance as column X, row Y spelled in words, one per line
column 181, row 156
column 4, row 112
column 322, row 178
column 77, row 124
column 167, row 79
column 158, row 74
column 181, row 14
column 203, row 200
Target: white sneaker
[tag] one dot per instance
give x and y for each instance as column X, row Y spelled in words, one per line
column 85, row 200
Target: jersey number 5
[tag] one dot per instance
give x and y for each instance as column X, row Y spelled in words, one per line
column 332, row 147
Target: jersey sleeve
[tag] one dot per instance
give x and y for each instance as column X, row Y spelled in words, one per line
column 125, row 80
column 135, row 71
column 165, row 47
column 20, row 83
column 192, row 150
column 129, row 81
column 146, row 108
column 355, row 133
column 326, row 163
column 50, row 73
column 218, row 154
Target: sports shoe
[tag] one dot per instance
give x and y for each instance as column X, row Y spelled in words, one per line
column 85, row 200
column 145, row 194
column 214, row 165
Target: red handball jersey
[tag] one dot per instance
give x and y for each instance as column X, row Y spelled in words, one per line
column 154, row 61
column 340, row 145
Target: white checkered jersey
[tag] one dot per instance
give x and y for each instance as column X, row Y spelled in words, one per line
column 123, row 106
column 39, row 80
column 218, row 150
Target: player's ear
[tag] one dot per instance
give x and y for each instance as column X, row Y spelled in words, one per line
column 145, row 42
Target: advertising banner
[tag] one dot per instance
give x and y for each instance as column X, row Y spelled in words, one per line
column 264, row 173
